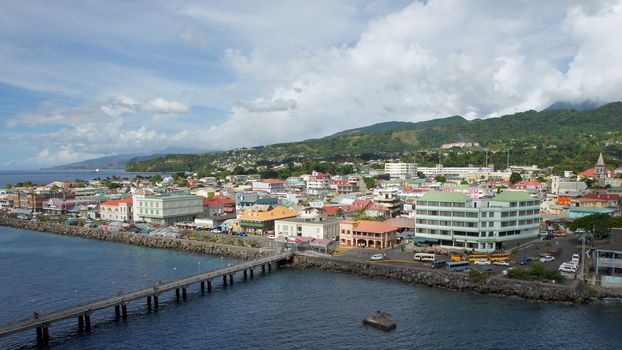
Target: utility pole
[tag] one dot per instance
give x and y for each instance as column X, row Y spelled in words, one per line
column 508, row 161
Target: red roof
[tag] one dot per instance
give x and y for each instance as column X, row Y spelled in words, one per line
column 339, row 182
column 362, row 203
column 333, row 209
column 217, row 201
column 377, row 207
column 273, row 181
column 320, row 175
column 371, row 226
column 115, row 202
column 591, row 172
column 603, row 196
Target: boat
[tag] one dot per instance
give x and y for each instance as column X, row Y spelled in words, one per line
column 380, row 320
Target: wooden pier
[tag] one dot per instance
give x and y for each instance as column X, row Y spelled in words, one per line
column 119, row 302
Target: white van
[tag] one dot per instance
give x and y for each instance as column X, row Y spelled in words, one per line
column 425, row 257
column 567, row 268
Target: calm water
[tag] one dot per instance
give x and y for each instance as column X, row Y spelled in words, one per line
column 47, row 176
column 283, row 310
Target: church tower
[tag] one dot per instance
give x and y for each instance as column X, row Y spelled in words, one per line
column 600, row 171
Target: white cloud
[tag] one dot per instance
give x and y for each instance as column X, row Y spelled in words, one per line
column 360, row 63
column 159, row 105
column 261, row 105
column 432, row 60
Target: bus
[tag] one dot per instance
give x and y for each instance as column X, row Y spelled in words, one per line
column 425, row 257
column 499, row 257
column 458, row 266
column 475, row 257
column 456, row 257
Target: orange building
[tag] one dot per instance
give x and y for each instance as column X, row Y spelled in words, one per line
column 563, row 200
column 367, row 234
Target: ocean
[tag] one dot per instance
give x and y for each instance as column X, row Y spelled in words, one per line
column 286, row 309
column 47, row 176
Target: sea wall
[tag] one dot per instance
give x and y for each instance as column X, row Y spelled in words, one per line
column 136, row 239
column 451, row 280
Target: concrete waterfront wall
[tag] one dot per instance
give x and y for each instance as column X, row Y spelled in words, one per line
column 451, row 280
column 132, row 238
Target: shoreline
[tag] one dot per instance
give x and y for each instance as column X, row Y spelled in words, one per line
column 246, row 253
column 490, row 285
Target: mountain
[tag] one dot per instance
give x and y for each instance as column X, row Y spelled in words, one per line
column 120, row 161
column 396, row 126
column 579, row 106
column 566, row 138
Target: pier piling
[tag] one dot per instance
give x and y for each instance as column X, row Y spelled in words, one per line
column 156, row 304
column 81, row 323
column 124, row 310
column 209, row 286
column 117, row 312
column 230, row 278
column 87, row 323
column 177, row 294
column 184, row 294
column 202, row 287
column 149, row 302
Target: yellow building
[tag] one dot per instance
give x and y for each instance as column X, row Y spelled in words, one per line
column 261, row 221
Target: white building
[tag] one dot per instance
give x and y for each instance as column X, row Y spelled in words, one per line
column 460, row 144
column 166, row 208
column 454, row 221
column 269, row 185
column 317, row 183
column 439, row 169
column 318, row 228
column 116, row 210
column 564, row 187
column 401, row 170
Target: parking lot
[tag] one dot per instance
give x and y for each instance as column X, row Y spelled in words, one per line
column 560, row 248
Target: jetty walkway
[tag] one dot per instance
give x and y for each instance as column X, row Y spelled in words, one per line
column 83, row 312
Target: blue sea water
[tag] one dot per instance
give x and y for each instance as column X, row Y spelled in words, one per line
column 47, row 176
column 286, row 309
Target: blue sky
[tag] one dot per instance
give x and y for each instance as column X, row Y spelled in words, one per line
column 80, row 80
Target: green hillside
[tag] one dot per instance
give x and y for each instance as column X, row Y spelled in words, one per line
column 567, row 139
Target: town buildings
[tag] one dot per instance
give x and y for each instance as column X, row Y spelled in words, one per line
column 455, row 221
column 367, row 234
column 318, row 228
column 166, row 208
column 117, row 210
column 400, row 170
column 258, row 221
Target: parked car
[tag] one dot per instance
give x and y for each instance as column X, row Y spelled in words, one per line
column 501, row 263
column 506, row 271
column 439, row 264
column 242, row 234
column 482, row 262
column 547, row 258
column 567, row 268
column 526, row 261
column 377, row 257
column 487, row 269
column 271, row 236
column 216, row 230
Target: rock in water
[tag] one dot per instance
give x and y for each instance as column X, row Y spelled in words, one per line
column 380, row 320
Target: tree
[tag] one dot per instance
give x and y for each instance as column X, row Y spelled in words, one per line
column 598, row 224
column 440, row 178
column 515, row 178
column 156, row 179
column 370, row 182
column 8, row 186
column 464, row 182
column 420, row 175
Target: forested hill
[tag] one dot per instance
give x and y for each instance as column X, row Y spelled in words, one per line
column 566, row 138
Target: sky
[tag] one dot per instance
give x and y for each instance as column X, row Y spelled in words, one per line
column 81, row 80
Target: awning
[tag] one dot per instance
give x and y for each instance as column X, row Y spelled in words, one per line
column 425, row 240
